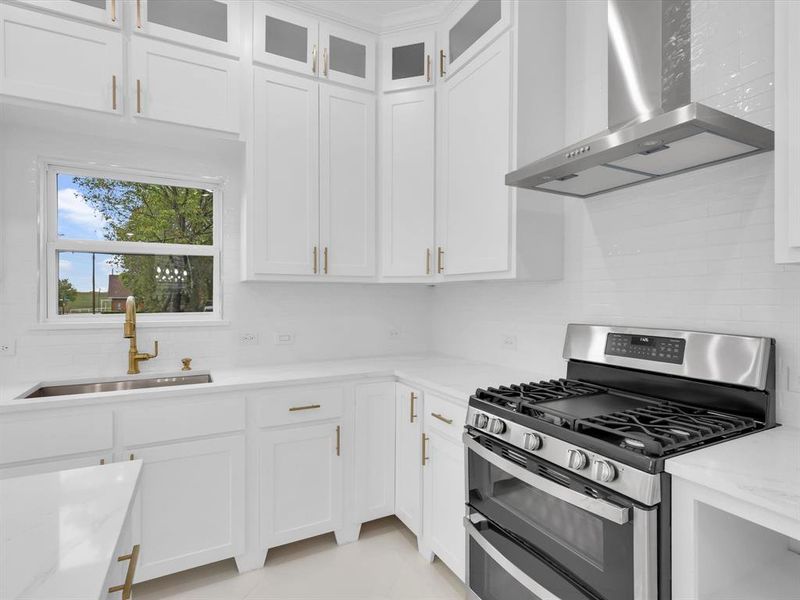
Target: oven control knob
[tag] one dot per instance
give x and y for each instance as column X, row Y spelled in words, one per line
column 603, row 471
column 576, row 459
column 480, row 420
column 496, row 426
column 531, row 441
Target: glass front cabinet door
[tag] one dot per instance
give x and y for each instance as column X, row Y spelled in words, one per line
column 407, row 60
column 208, row 24
column 348, row 56
column 286, row 39
column 107, row 12
column 470, row 29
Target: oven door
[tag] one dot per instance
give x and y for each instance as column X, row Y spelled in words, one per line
column 590, row 534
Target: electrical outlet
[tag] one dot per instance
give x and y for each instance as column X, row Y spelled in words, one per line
column 509, row 342
column 8, row 347
column 248, row 339
column 284, row 339
column 394, row 333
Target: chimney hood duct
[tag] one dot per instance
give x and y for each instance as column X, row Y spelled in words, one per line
column 655, row 130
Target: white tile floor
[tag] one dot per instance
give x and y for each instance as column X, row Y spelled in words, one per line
column 382, row 565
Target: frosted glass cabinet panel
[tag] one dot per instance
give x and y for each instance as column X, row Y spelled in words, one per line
column 407, row 60
column 286, row 39
column 209, row 24
column 473, row 26
column 108, row 12
column 348, row 56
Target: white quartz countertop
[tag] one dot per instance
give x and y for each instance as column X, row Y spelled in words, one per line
column 452, row 377
column 59, row 531
column 761, row 469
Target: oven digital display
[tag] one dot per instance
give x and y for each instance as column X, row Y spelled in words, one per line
column 646, row 347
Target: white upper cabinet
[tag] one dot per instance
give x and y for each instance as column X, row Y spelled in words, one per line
column 207, row 24
column 285, row 38
column 284, row 227
column 108, row 12
column 407, row 183
column 347, row 182
column 48, row 58
column 181, row 85
column 468, row 30
column 475, row 208
column 348, row 56
column 407, row 60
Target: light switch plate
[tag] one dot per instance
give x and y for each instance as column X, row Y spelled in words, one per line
column 8, row 347
column 248, row 339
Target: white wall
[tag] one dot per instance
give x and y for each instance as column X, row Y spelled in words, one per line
column 329, row 321
column 689, row 252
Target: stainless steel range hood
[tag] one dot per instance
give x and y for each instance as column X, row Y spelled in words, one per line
column 655, row 129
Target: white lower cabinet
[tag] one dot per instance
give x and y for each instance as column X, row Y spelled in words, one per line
column 374, row 451
column 300, row 473
column 50, row 466
column 408, row 461
column 190, row 507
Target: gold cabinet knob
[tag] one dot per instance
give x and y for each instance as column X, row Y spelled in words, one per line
column 187, row 364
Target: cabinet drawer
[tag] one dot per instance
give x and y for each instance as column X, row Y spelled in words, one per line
column 178, row 420
column 299, row 405
column 444, row 416
column 54, row 434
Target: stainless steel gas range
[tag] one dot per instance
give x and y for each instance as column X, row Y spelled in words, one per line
column 567, row 498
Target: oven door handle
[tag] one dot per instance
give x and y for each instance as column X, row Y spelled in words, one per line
column 602, row 508
column 509, row 567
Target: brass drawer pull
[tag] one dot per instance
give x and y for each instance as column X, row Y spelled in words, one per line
column 413, row 413
column 424, row 449
column 113, row 11
column 325, row 260
column 113, row 92
column 427, row 261
column 316, row 261
column 306, row 407
column 325, row 62
column 442, row 418
column 338, row 440
column 442, row 56
column 127, row 587
column 428, row 69
column 139, row 96
column 139, row 14
column 440, row 252
column 314, row 59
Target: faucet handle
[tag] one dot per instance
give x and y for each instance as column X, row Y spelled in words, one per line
column 187, row 364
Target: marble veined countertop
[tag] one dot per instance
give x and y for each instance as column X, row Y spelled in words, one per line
column 59, row 531
column 762, row 469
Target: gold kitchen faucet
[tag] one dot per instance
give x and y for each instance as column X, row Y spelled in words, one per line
column 129, row 331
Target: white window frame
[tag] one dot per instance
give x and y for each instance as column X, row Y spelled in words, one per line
column 51, row 244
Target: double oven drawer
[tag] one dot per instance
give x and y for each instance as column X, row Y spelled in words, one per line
column 536, row 531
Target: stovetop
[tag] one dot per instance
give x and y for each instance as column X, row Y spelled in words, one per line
column 634, row 426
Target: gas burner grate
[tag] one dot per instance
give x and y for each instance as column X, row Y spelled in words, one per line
column 663, row 428
column 522, row 398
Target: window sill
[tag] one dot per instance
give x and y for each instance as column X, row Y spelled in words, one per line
column 140, row 324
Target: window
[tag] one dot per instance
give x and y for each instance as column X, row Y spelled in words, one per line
column 112, row 235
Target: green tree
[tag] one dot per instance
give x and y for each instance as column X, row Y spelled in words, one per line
column 144, row 212
column 66, row 294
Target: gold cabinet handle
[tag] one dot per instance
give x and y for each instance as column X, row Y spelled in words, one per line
column 427, row 261
column 413, row 413
column 316, row 267
column 114, row 92
column 306, row 407
column 442, row 56
column 314, row 59
column 325, row 62
column 127, row 587
column 440, row 255
column 442, row 418
column 138, row 14
column 428, row 68
column 113, row 11
column 102, row 461
column 139, row 96
column 338, row 440
column 325, row 260
column 424, row 449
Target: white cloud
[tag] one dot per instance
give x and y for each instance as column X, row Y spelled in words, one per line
column 64, row 265
column 74, row 209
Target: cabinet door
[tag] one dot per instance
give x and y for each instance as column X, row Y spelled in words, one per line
column 407, row 183
column 300, row 483
column 208, row 24
column 374, row 451
column 286, row 39
column 348, row 56
column 284, row 233
column 444, row 501
column 347, row 181
column 180, row 85
column 474, row 210
column 408, row 463
column 407, row 60
column 468, row 30
column 190, row 507
column 108, row 12
column 48, row 58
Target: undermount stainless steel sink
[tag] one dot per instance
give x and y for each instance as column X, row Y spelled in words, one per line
column 67, row 389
